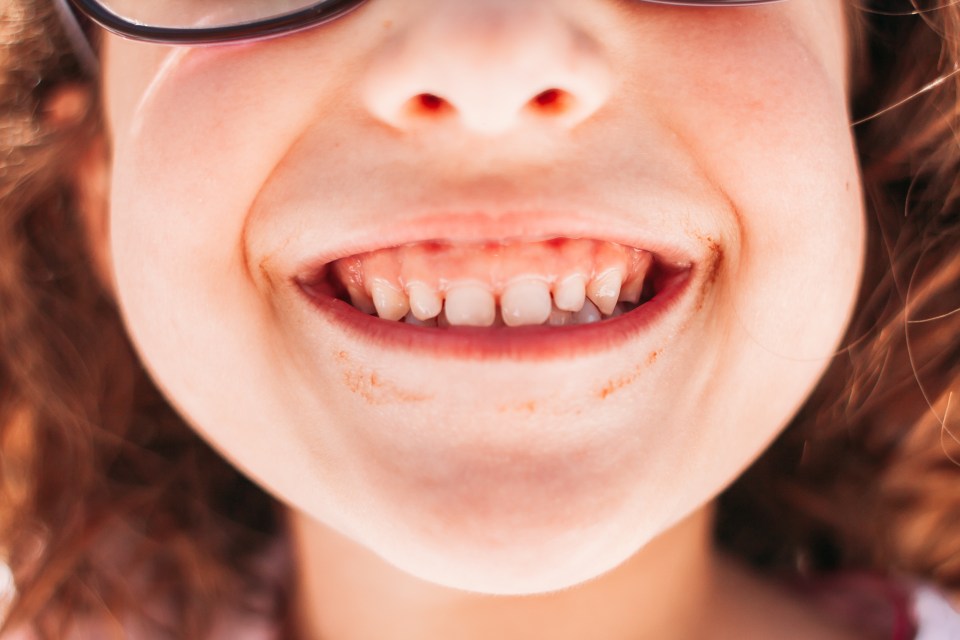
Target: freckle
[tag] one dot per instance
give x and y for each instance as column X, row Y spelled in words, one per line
column 613, row 386
column 375, row 380
column 523, row 407
column 617, row 384
column 353, row 381
column 387, row 24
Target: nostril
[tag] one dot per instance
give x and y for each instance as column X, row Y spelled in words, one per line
column 431, row 103
column 489, row 115
column 554, row 103
column 551, row 98
column 423, row 107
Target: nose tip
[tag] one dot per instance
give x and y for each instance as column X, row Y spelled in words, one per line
column 488, row 67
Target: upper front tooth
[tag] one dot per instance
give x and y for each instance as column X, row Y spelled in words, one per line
column 569, row 293
column 604, row 290
column 525, row 301
column 470, row 304
column 390, row 302
column 425, row 302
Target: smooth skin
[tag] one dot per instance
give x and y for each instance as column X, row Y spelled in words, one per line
column 432, row 495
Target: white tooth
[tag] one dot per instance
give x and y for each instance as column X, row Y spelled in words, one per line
column 604, row 290
column 525, row 301
column 569, row 293
column 417, row 322
column 559, row 317
column 631, row 290
column 589, row 313
column 360, row 299
column 425, row 302
column 390, row 302
column 471, row 305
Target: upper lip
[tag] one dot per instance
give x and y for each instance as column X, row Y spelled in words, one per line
column 478, row 226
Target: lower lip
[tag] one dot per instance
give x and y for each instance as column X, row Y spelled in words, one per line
column 514, row 343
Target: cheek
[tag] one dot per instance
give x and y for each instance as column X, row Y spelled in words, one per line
column 767, row 120
column 758, row 106
column 801, row 221
column 192, row 149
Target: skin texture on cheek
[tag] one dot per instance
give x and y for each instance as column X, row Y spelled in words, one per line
column 784, row 168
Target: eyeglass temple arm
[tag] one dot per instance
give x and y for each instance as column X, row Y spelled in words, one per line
column 79, row 41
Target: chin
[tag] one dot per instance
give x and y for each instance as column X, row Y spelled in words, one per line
column 524, row 566
column 523, row 547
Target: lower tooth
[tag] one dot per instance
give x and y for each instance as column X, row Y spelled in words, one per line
column 559, row 318
column 588, row 314
column 417, row 322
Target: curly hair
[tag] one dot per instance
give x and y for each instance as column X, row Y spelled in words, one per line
column 108, row 501
column 100, row 480
column 866, row 475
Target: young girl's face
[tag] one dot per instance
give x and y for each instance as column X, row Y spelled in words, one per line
column 707, row 148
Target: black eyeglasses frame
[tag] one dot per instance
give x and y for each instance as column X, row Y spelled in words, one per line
column 71, row 10
column 270, row 27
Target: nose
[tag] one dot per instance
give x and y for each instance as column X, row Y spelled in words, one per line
column 488, row 66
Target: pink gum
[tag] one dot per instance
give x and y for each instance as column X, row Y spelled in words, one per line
column 439, row 265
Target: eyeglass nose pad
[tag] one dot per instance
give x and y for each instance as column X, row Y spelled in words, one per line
column 488, row 67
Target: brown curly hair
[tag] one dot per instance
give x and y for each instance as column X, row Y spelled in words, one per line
column 100, row 480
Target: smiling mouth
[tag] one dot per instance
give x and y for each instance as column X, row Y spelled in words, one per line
column 507, row 285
